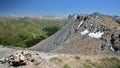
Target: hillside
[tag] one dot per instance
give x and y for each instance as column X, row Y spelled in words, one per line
column 26, row 31
column 84, row 34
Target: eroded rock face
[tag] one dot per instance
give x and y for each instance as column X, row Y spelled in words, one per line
column 77, row 32
column 109, row 37
column 115, row 41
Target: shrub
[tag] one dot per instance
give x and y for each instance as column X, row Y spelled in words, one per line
column 66, row 66
column 56, row 59
column 86, row 66
column 77, row 57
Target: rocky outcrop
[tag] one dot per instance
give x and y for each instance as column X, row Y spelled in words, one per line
column 17, row 59
column 84, row 34
column 115, row 41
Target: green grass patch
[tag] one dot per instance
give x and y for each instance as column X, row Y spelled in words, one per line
column 106, row 62
column 57, row 59
column 86, row 65
column 77, row 57
column 66, row 66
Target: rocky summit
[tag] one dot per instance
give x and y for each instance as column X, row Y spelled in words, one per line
column 84, row 34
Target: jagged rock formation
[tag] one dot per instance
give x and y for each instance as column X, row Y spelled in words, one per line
column 84, row 34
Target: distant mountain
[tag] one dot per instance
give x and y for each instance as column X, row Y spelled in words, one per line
column 84, row 34
column 47, row 17
column 117, row 18
column 52, row 17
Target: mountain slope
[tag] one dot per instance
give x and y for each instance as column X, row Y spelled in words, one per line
column 84, row 34
column 27, row 31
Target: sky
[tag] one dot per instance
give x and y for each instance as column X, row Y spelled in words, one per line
column 58, row 7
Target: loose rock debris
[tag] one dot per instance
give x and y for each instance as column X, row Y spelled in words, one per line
column 17, row 59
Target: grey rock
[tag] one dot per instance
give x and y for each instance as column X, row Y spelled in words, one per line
column 70, row 40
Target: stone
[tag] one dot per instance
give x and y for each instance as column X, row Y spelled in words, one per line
column 32, row 60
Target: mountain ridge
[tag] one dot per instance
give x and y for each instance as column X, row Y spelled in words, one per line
column 78, row 31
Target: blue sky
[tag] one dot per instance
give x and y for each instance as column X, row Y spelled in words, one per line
column 58, row 7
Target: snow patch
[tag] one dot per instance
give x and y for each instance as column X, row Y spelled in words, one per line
column 84, row 32
column 80, row 23
column 91, row 25
column 112, row 48
column 96, row 35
